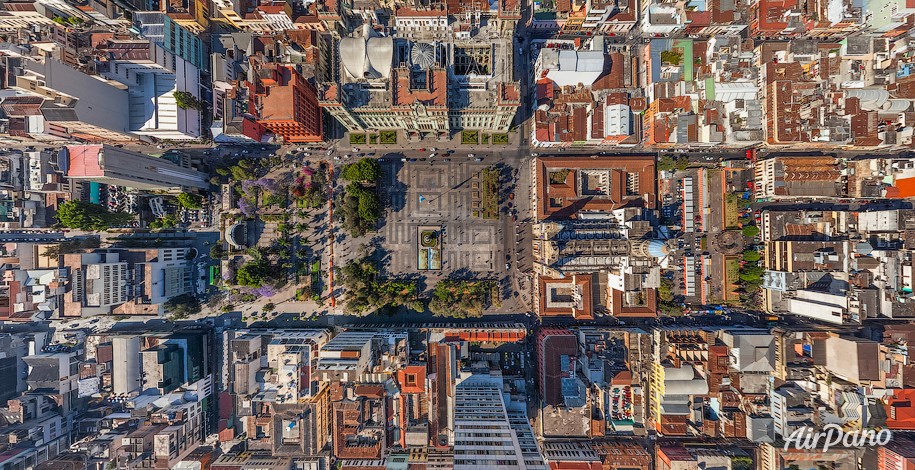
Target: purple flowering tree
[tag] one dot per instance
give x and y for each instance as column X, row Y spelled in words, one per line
column 267, row 184
column 246, row 207
column 264, row 291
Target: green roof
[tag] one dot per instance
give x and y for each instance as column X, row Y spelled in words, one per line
column 688, row 59
column 710, row 89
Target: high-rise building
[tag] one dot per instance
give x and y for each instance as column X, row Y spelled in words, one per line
column 116, row 166
column 898, row 454
column 483, row 434
column 163, row 368
column 125, row 367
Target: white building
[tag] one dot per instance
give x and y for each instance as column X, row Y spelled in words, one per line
column 483, row 435
column 346, row 356
column 151, row 87
column 570, row 68
column 125, row 367
column 823, row 306
column 617, row 120
column 293, row 355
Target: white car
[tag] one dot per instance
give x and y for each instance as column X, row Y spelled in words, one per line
column 471, row 155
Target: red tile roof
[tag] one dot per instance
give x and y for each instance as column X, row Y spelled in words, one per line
column 900, row 414
column 563, row 201
column 84, row 160
column 583, row 282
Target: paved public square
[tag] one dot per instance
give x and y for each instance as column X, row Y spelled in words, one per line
column 439, row 193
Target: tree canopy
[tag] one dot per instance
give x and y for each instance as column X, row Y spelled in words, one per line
column 751, row 274
column 169, row 221
column 669, row 163
column 217, row 251
column 88, row 216
column 461, row 299
column 751, row 256
column 253, row 273
column 182, row 306
column 366, row 169
column 360, row 209
column 365, row 291
column 751, row 231
column 670, row 301
column 185, row 100
column 190, row 200
column 671, row 57
column 71, row 245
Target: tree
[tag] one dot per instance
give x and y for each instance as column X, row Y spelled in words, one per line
column 185, row 100
column 72, row 245
column 366, row 169
column 671, row 57
column 366, row 292
column 217, row 251
column 253, row 273
column 169, row 221
column 750, row 231
column 88, row 216
column 359, row 209
column 368, row 207
column 669, row 163
column 461, row 299
column 751, row 256
column 269, row 307
column 190, row 200
column 751, row 274
column 182, row 306
column 666, row 290
column 741, row 463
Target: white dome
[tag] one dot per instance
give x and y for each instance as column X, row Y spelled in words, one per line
column 366, row 57
column 422, row 55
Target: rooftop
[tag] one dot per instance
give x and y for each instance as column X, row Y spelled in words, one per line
column 568, row 187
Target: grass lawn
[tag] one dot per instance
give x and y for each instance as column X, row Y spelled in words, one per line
column 490, row 193
column 730, row 210
column 731, row 269
column 732, row 276
column 387, row 137
column 470, row 137
column 316, row 277
column 500, row 139
column 356, row 139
